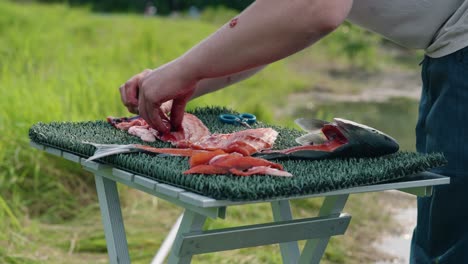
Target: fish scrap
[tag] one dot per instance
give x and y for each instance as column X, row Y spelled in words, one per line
column 192, row 130
column 218, row 162
column 196, row 136
column 209, row 153
column 340, row 138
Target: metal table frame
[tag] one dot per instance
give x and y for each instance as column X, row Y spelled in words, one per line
column 190, row 238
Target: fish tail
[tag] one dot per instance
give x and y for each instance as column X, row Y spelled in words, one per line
column 104, row 150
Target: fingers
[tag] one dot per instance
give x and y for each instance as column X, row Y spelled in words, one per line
column 153, row 115
column 177, row 112
column 154, row 119
column 123, row 94
column 130, row 90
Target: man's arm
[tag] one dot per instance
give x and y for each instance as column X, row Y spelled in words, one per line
column 211, row 85
column 267, row 31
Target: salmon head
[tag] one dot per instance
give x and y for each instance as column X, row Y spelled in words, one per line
column 347, row 137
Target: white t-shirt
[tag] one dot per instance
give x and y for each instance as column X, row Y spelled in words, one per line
column 440, row 27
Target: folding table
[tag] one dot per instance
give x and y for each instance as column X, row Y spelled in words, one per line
column 191, row 239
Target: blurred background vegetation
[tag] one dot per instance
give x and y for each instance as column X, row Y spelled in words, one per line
column 163, row 7
column 64, row 60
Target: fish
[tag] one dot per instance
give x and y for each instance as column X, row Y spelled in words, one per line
column 201, row 161
column 245, row 142
column 209, row 153
column 340, row 138
column 195, row 135
column 194, row 138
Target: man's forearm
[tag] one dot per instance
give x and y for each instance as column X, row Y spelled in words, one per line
column 265, row 32
column 210, row 85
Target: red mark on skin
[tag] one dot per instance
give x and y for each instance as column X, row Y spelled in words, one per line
column 233, row 22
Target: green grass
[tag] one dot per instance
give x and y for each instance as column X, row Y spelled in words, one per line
column 62, row 64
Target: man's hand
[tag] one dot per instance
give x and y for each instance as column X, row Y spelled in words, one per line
column 129, row 91
column 150, row 93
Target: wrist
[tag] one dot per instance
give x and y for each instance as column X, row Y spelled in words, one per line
column 187, row 69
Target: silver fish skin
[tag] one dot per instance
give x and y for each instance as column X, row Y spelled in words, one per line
column 364, row 140
column 104, row 150
column 337, row 139
column 371, row 141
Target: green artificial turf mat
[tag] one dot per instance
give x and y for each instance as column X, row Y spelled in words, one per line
column 310, row 177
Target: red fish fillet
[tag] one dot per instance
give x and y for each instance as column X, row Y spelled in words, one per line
column 246, row 142
column 241, row 162
column 203, row 157
column 235, row 164
column 193, row 130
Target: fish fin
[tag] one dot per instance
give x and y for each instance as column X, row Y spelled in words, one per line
column 104, row 150
column 309, row 124
column 312, row 139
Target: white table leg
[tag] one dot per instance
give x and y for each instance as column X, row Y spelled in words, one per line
column 191, row 221
column 314, row 248
column 282, row 212
column 112, row 220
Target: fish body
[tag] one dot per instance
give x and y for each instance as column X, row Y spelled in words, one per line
column 209, row 153
column 339, row 138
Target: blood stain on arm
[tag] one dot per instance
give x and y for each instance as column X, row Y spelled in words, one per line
column 233, row 22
